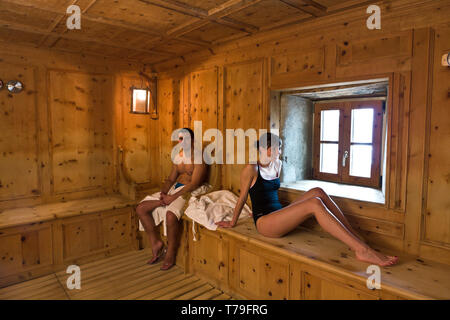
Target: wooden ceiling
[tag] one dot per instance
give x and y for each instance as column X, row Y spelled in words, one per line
column 152, row 31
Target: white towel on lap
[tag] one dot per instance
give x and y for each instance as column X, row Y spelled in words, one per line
column 214, row 207
column 159, row 214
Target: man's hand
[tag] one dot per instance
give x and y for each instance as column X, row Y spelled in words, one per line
column 225, row 224
column 161, row 195
column 168, row 199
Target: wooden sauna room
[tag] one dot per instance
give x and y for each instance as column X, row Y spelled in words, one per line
column 96, row 97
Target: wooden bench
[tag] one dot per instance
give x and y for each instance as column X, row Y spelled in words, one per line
column 41, row 239
column 306, row 264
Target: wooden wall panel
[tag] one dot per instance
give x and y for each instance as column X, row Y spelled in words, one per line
column 81, row 130
column 258, row 274
column 437, row 213
column 203, row 98
column 316, row 288
column 209, row 255
column 140, row 139
column 244, row 107
column 169, row 103
column 33, row 169
column 304, row 65
column 82, row 236
column 24, row 249
column 372, row 55
column 19, row 175
column 398, row 133
column 94, row 234
column 204, row 107
column 117, row 230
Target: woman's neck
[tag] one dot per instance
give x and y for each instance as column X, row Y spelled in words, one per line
column 268, row 164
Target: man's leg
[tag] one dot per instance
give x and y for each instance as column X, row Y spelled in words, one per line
column 173, row 238
column 144, row 211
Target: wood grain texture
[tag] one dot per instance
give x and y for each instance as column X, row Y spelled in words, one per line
column 19, row 174
column 282, row 268
column 126, row 276
column 437, row 212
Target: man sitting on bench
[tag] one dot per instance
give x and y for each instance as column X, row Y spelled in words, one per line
column 167, row 205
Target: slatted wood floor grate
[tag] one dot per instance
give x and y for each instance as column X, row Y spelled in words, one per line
column 122, row 277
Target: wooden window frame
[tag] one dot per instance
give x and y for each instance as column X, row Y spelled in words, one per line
column 344, row 143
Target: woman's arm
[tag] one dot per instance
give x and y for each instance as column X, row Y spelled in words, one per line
column 247, row 176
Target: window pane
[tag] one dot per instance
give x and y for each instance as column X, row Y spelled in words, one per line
column 329, row 158
column 360, row 161
column 362, row 125
column 329, row 126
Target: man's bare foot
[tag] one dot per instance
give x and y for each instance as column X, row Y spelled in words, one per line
column 371, row 256
column 169, row 262
column 158, row 251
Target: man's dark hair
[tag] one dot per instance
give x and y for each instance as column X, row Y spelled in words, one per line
column 268, row 140
column 190, row 132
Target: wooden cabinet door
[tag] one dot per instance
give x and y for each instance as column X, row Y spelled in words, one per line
column 92, row 234
column 25, row 252
column 258, row 274
column 316, row 288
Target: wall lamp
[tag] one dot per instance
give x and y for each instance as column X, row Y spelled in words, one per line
column 446, row 60
column 140, row 100
column 143, row 99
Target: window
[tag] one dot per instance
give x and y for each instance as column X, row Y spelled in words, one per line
column 347, row 142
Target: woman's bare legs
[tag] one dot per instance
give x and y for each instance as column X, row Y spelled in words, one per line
column 280, row 222
column 331, row 205
column 144, row 211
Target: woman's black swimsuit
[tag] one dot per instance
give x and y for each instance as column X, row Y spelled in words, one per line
column 264, row 196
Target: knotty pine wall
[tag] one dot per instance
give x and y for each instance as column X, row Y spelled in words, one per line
column 231, row 85
column 60, row 137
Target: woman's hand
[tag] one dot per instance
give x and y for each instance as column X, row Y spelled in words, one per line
column 225, row 224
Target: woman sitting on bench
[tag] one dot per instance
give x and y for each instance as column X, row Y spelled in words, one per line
column 262, row 181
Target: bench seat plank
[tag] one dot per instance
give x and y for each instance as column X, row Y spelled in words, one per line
column 51, row 211
column 413, row 277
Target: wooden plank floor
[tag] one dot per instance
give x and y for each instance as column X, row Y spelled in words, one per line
column 123, row 277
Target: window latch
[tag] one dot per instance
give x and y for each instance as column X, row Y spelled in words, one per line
column 344, row 158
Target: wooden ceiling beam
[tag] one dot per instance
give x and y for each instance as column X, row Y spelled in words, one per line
column 213, row 15
column 231, row 7
column 199, row 43
column 186, row 28
column 179, row 7
column 314, row 4
column 90, row 18
column 348, row 5
column 315, row 10
column 199, row 13
column 70, row 36
column 116, row 23
column 55, row 23
column 83, row 12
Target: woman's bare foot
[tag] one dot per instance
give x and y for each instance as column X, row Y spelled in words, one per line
column 158, row 251
column 371, row 256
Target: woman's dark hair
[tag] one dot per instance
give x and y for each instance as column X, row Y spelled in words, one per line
column 268, row 140
column 190, row 132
